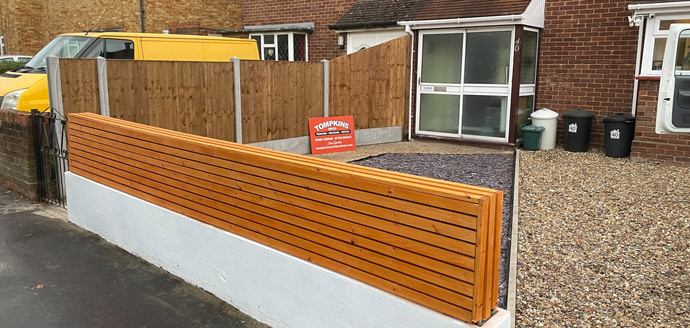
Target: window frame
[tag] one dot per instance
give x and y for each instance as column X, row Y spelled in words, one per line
column 527, row 90
column 274, row 45
column 652, row 32
column 101, row 42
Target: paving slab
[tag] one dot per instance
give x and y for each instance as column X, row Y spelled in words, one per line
column 55, row 274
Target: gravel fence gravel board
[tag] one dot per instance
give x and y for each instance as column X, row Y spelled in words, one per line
column 602, row 242
column 484, row 170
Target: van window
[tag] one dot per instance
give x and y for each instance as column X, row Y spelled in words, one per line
column 111, row 49
column 119, row 49
column 61, row 46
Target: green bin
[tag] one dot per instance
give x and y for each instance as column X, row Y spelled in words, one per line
column 531, row 135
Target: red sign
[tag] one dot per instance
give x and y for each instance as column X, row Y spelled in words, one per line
column 332, row 134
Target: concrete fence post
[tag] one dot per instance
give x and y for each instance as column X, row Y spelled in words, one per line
column 54, row 85
column 102, row 67
column 237, row 91
column 55, row 95
column 326, row 77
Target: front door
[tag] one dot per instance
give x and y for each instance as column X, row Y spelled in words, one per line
column 463, row 87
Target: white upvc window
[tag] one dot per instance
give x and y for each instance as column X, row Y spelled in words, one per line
column 287, row 46
column 656, row 27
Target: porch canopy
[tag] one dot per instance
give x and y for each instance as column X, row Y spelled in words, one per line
column 475, row 61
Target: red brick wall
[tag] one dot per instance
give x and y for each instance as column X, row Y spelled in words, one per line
column 650, row 147
column 17, row 153
column 323, row 43
column 28, row 25
column 587, row 60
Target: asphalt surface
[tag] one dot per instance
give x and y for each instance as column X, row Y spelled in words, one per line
column 55, row 274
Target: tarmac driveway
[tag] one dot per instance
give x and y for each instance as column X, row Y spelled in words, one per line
column 55, row 274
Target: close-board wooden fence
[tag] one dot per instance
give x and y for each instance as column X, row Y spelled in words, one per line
column 432, row 242
column 277, row 98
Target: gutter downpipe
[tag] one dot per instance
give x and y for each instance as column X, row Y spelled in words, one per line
column 141, row 14
column 636, row 83
column 408, row 30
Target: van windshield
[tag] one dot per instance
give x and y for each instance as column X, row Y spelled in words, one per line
column 62, row 47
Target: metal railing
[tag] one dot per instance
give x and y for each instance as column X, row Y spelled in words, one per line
column 50, row 147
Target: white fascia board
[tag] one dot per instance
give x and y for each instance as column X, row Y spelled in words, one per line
column 660, row 7
column 461, row 22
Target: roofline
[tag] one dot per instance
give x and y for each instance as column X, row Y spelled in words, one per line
column 350, row 26
column 433, row 23
column 658, row 5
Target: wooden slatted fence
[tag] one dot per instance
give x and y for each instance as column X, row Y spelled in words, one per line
column 277, row 98
column 433, row 242
column 368, row 83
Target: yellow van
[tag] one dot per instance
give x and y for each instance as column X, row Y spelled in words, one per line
column 27, row 88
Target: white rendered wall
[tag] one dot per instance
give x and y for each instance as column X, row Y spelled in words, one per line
column 271, row 286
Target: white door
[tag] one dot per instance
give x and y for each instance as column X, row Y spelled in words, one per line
column 464, row 81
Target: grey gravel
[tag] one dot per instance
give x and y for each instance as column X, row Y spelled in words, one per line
column 602, row 242
column 485, row 170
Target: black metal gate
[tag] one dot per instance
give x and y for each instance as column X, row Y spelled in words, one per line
column 50, row 146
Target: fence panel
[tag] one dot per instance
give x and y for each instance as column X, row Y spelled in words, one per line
column 429, row 241
column 79, row 78
column 278, row 98
column 190, row 97
column 372, row 85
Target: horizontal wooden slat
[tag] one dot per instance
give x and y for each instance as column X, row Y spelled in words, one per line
column 284, row 193
column 339, row 176
column 432, row 242
column 478, row 191
column 309, row 189
column 120, row 164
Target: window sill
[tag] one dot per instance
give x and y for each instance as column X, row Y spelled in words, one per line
column 648, row 78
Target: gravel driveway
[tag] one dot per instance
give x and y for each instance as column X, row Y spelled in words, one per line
column 494, row 171
column 602, row 242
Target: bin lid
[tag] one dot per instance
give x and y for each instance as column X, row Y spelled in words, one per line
column 531, row 128
column 578, row 113
column 620, row 118
column 544, row 114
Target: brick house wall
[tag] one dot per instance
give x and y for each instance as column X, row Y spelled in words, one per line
column 162, row 14
column 587, row 60
column 650, row 147
column 17, row 153
column 323, row 43
column 28, row 25
column 21, row 26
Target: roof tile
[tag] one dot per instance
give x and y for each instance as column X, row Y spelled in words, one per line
column 368, row 13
